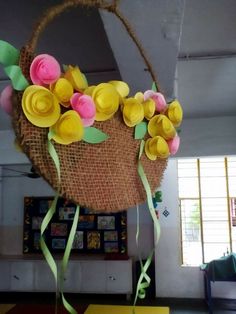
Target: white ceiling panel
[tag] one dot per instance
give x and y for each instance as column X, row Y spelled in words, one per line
column 209, row 27
column 207, row 88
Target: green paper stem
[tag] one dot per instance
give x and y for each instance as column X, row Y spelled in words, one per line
column 93, row 135
column 16, row 76
column 9, row 55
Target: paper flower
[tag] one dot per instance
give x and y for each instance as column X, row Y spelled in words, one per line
column 156, row 147
column 76, row 78
column 6, row 99
column 175, row 113
column 149, row 105
column 133, row 112
column 173, row 145
column 63, row 90
column 106, row 99
column 68, row 129
column 161, row 125
column 44, row 70
column 85, row 106
column 121, row 87
column 40, row 106
column 158, row 98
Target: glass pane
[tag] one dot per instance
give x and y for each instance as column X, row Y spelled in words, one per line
column 188, row 187
column 231, row 168
column 214, row 209
column 232, row 186
column 215, row 232
column 192, row 253
column 213, row 168
column 211, row 187
column 216, row 250
column 231, row 158
column 191, row 232
column 187, row 168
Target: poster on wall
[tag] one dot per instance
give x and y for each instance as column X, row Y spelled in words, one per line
column 95, row 233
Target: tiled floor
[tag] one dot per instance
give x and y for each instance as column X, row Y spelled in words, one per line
column 177, row 306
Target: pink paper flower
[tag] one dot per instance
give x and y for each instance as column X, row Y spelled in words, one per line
column 85, row 106
column 44, row 70
column 5, row 99
column 158, row 98
column 174, row 145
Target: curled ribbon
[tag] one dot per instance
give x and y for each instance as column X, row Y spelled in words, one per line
column 144, row 279
column 47, row 254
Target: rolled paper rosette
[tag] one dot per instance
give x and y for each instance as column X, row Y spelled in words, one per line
column 174, row 145
column 161, row 125
column 44, row 70
column 6, row 99
column 175, row 113
column 158, row 98
column 68, row 129
column 156, row 147
column 106, row 99
column 63, row 90
column 76, row 78
column 40, row 106
column 148, row 105
column 133, row 112
column 84, row 105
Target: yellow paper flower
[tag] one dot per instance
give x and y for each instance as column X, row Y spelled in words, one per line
column 156, row 147
column 121, row 87
column 133, row 112
column 106, row 99
column 63, row 90
column 175, row 113
column 68, row 129
column 89, row 90
column 149, row 108
column 76, row 78
column 139, row 96
column 40, row 106
column 161, row 125
column 148, row 105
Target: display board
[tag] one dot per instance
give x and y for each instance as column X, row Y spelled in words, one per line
column 95, row 233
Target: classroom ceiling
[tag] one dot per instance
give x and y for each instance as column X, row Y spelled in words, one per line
column 191, row 45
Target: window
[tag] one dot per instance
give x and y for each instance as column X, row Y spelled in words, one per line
column 207, row 199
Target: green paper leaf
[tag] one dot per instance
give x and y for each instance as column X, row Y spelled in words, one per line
column 178, row 131
column 18, row 80
column 94, row 136
column 64, row 67
column 9, row 55
column 140, row 130
column 154, row 87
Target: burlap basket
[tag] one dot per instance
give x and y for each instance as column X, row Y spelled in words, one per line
column 102, row 177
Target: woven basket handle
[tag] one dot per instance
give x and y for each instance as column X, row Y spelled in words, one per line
column 56, row 10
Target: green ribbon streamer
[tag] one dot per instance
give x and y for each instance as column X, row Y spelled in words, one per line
column 9, row 55
column 48, row 256
column 18, row 80
column 65, row 260
column 144, row 279
column 148, row 191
